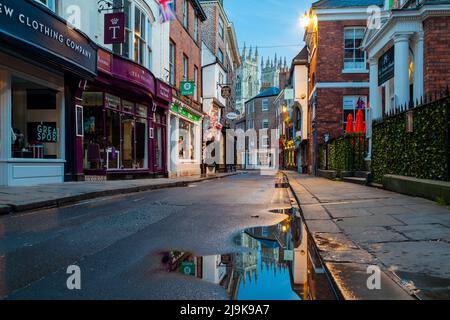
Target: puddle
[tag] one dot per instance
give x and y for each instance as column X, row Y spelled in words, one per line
column 277, row 262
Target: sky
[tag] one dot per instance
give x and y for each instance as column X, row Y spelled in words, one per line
column 273, row 25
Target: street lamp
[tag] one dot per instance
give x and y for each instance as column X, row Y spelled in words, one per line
column 309, row 21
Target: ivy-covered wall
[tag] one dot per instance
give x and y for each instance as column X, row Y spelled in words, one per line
column 345, row 153
column 422, row 153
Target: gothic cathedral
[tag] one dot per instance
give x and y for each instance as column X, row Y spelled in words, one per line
column 247, row 79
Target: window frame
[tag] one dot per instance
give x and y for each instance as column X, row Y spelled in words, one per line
column 172, row 63
column 221, row 28
column 263, row 106
column 185, row 20
column 354, row 49
column 185, row 68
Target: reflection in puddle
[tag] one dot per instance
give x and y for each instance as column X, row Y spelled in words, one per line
column 275, row 263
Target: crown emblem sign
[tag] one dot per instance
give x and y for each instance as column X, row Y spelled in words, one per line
column 114, row 21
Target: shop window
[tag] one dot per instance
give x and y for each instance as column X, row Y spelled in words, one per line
column 115, row 133
column 36, row 125
column 354, row 55
column 186, row 140
column 351, row 106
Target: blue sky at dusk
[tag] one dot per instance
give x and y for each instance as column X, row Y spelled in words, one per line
column 269, row 23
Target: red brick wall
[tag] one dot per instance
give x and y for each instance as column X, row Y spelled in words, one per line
column 185, row 44
column 437, row 54
column 330, row 52
column 329, row 112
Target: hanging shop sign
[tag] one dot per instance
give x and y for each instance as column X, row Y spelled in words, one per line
column 114, row 28
column 163, row 91
column 232, row 116
column 180, row 110
column 386, row 66
column 226, row 92
column 25, row 24
column 288, row 94
column 187, row 88
column 188, row 268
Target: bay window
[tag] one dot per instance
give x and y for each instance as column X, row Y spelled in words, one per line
column 140, row 40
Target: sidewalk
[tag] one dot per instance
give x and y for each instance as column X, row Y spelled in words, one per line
column 356, row 226
column 17, row 199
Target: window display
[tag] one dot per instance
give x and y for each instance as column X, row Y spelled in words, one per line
column 35, row 130
column 186, row 141
column 115, row 134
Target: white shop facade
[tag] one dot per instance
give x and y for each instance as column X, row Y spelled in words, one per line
column 42, row 64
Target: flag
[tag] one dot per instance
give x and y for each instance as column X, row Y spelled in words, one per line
column 166, row 10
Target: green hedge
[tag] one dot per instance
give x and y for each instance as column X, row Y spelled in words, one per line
column 421, row 153
column 345, row 153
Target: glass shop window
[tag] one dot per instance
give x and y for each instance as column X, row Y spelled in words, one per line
column 94, row 131
column 35, row 125
column 186, row 141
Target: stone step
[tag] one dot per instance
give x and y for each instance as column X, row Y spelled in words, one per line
column 361, row 181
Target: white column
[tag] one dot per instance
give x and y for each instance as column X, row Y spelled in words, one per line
column 374, row 92
column 375, row 111
column 418, row 66
column 401, row 85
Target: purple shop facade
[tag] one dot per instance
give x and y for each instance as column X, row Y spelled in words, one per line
column 124, row 125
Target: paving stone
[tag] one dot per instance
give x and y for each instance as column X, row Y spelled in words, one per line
column 370, row 221
column 389, row 210
column 333, row 242
column 322, row 226
column 428, row 257
column 315, row 212
column 351, row 278
column 425, row 232
column 417, row 218
column 368, row 235
column 337, row 212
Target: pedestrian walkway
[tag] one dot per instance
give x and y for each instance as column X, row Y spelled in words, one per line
column 357, row 226
column 16, row 199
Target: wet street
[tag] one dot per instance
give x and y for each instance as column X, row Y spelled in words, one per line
column 197, row 242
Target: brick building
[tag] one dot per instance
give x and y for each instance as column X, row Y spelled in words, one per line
column 261, row 116
column 338, row 72
column 186, row 111
column 220, row 60
column 409, row 54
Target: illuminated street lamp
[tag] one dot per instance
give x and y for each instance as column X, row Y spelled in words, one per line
column 309, row 21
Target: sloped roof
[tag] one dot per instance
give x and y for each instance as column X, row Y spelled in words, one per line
column 323, row 4
column 301, row 57
column 270, row 92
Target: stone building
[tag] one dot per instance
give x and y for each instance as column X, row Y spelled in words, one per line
column 273, row 72
column 247, row 78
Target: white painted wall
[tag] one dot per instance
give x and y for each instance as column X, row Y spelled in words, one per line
column 300, row 89
column 91, row 22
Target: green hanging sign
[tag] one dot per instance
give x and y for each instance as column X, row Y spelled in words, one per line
column 187, row 88
column 188, row 268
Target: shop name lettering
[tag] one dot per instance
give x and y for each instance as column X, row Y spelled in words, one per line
column 163, row 91
column 48, row 31
column 45, row 133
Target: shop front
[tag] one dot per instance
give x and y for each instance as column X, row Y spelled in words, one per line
column 42, row 64
column 123, row 123
column 185, row 140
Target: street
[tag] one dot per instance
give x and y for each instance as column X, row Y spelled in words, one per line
column 116, row 241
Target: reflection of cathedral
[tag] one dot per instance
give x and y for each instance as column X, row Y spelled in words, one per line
column 247, row 79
